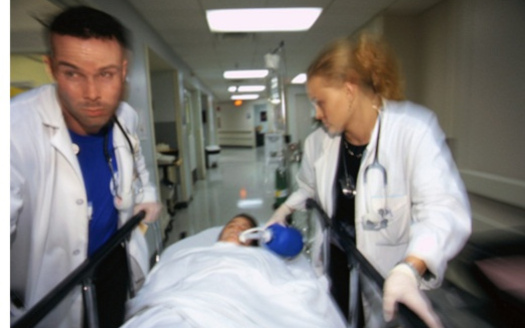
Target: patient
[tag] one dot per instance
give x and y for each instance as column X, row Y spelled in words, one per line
column 239, row 223
column 218, row 284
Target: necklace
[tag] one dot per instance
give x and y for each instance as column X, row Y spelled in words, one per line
column 350, row 152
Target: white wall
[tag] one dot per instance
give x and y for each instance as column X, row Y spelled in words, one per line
column 473, row 78
column 163, row 104
column 236, row 124
column 198, row 134
column 300, row 113
column 236, row 118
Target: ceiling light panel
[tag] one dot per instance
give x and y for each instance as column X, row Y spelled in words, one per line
column 245, row 74
column 299, row 79
column 262, row 19
column 245, row 97
column 251, row 88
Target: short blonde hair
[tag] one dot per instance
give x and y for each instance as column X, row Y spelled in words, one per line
column 366, row 60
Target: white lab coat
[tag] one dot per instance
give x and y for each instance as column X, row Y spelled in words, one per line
column 49, row 212
column 431, row 213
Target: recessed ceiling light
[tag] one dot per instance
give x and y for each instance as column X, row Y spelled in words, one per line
column 244, row 97
column 262, row 19
column 246, row 74
column 251, row 88
column 299, row 79
column 232, row 88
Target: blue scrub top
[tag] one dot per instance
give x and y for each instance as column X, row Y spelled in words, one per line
column 97, row 178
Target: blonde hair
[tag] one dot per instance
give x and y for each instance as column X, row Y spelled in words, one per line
column 367, row 61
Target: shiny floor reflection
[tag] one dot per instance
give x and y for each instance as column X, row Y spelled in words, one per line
column 241, row 183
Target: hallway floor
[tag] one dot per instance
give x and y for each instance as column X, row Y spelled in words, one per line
column 218, row 198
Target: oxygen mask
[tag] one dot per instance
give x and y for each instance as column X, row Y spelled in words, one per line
column 284, row 241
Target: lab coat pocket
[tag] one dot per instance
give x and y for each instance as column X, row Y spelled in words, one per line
column 397, row 226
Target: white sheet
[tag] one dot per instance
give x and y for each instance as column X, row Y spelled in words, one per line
column 225, row 285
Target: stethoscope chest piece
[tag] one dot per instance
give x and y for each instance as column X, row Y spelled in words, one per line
column 348, row 187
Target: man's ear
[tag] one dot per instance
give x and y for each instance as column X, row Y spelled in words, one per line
column 124, row 69
column 48, row 62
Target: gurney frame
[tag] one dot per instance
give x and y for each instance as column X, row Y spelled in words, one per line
column 80, row 276
column 357, row 264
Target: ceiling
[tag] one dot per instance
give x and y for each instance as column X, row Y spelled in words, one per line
column 182, row 25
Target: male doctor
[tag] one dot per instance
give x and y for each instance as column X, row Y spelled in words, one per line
column 77, row 172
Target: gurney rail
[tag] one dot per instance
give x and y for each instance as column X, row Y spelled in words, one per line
column 360, row 265
column 80, row 276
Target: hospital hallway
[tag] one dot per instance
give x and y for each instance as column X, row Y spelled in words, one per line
column 240, row 172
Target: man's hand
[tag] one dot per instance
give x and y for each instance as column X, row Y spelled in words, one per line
column 152, row 211
column 279, row 216
column 401, row 286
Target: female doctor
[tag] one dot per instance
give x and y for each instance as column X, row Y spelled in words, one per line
column 381, row 165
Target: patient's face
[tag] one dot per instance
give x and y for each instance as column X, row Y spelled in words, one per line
column 230, row 232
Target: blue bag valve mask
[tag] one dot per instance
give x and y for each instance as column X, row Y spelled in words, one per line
column 284, row 241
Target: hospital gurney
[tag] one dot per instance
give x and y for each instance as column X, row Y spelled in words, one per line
column 358, row 264
column 204, row 297
column 200, row 282
column 359, row 267
column 82, row 276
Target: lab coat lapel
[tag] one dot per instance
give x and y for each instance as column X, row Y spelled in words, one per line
column 327, row 166
column 53, row 120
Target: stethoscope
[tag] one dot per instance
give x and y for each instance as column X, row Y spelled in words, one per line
column 119, row 200
column 378, row 219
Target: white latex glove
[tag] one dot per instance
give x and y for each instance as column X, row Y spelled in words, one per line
column 152, row 211
column 401, row 286
column 279, row 216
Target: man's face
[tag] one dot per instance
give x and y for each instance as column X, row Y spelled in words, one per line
column 231, row 231
column 90, row 75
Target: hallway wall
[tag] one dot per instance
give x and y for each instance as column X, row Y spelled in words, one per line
column 236, row 124
column 461, row 58
column 469, row 73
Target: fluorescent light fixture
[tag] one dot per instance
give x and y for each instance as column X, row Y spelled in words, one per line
column 246, row 74
column 251, row 88
column 249, row 203
column 244, row 97
column 262, row 19
column 299, row 79
column 232, row 88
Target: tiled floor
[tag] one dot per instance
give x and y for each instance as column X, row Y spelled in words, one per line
column 240, row 172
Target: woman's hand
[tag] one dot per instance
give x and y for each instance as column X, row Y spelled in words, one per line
column 279, row 216
column 402, row 286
